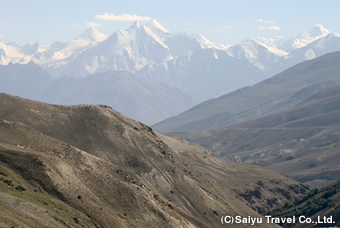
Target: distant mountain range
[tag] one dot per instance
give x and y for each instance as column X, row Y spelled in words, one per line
column 190, row 66
column 149, row 44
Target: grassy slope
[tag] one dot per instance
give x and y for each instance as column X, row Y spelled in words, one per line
column 323, row 202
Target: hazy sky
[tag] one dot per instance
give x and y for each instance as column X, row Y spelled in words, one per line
column 223, row 21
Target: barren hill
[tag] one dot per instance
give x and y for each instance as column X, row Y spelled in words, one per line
column 91, row 166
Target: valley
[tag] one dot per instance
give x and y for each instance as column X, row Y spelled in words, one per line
column 295, row 132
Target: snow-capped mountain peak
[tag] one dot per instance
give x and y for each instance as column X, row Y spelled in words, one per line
column 141, row 33
column 274, row 42
column 316, row 32
column 205, row 43
column 12, row 54
column 155, row 26
column 261, row 52
column 135, row 25
column 57, row 53
column 92, row 35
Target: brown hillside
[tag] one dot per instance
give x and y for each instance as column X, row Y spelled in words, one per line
column 95, row 167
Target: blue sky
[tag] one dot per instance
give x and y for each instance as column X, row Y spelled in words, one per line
column 226, row 22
